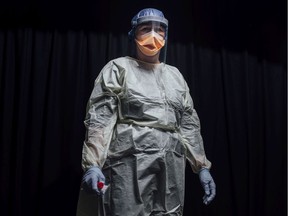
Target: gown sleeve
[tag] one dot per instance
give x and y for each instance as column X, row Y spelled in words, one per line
column 190, row 131
column 101, row 115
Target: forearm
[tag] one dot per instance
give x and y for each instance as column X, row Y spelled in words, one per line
column 190, row 130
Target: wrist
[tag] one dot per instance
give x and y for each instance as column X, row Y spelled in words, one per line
column 203, row 170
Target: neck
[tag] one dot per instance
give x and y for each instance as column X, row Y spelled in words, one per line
column 149, row 59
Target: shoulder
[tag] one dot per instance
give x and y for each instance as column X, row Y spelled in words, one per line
column 172, row 69
column 113, row 73
column 118, row 64
column 114, row 65
column 174, row 72
column 119, row 61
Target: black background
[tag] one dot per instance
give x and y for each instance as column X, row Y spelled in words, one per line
column 232, row 54
column 257, row 26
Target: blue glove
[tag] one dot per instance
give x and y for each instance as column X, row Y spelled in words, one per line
column 208, row 184
column 90, row 180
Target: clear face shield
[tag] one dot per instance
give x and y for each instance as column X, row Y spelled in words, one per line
column 150, row 37
column 150, row 32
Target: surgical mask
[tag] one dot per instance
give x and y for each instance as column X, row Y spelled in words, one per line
column 150, row 43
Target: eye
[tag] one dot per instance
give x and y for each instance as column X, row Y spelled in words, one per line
column 145, row 29
column 160, row 30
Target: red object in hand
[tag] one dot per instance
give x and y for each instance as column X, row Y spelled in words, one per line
column 100, row 185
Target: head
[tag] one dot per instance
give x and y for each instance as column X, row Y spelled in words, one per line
column 150, row 33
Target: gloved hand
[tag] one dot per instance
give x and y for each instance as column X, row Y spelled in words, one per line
column 208, row 184
column 90, row 180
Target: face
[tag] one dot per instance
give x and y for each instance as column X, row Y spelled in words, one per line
column 145, row 28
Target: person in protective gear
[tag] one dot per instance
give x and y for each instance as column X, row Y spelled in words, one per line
column 141, row 128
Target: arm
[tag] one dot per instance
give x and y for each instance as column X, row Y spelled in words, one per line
column 190, row 130
column 99, row 122
column 101, row 117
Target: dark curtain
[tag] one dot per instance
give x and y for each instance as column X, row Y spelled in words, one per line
column 46, row 78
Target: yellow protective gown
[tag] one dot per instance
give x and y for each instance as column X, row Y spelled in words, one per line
column 141, row 128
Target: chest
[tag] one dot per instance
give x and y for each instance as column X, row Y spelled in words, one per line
column 154, row 86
